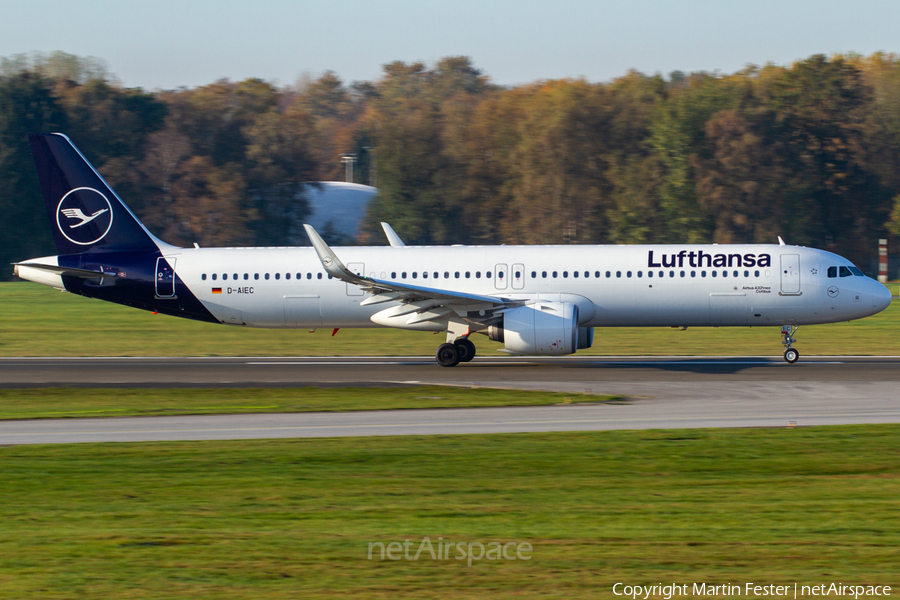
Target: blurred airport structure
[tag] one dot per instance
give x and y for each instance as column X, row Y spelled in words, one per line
column 337, row 209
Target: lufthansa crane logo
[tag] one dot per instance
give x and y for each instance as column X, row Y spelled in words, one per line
column 84, row 216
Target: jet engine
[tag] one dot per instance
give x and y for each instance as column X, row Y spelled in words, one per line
column 539, row 329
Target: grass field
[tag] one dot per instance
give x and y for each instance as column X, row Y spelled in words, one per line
column 293, row 518
column 46, row 403
column 38, row 321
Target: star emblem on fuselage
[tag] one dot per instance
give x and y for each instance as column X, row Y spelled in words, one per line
column 814, row 271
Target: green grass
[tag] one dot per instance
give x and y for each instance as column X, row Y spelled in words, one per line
column 38, row 321
column 293, row 518
column 46, row 403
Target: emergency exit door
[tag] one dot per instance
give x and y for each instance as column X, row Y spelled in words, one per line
column 358, row 269
column 517, row 275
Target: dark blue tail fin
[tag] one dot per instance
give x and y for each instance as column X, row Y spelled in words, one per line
column 85, row 213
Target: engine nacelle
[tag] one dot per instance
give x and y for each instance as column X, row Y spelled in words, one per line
column 539, row 329
column 585, row 337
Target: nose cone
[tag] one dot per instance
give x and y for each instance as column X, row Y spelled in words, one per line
column 881, row 297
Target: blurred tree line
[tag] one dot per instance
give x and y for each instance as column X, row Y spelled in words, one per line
column 809, row 151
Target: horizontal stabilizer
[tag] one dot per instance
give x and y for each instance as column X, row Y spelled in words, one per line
column 67, row 271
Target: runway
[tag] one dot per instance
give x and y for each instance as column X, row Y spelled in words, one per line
column 660, row 392
column 569, row 373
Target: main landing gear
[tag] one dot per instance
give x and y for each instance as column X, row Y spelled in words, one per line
column 790, row 354
column 451, row 354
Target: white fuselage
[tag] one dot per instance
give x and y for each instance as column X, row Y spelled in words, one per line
column 709, row 285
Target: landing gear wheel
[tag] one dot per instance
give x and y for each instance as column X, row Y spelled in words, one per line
column 466, row 349
column 791, row 355
column 447, row 355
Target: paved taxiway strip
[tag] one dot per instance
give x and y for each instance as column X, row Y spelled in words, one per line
column 662, row 392
column 634, row 415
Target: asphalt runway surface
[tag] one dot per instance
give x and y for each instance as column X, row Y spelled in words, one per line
column 659, row 392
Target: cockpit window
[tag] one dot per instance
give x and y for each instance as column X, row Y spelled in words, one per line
column 845, row 272
column 832, row 271
column 856, row 272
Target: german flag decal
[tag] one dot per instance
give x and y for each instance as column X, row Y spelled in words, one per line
column 217, row 290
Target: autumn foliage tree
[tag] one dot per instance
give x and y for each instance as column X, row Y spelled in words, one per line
column 808, row 151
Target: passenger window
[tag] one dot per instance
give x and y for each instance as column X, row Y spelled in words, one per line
column 574, row 273
column 746, row 273
column 756, row 273
column 702, row 273
column 256, row 276
column 649, row 273
column 277, row 276
column 518, row 274
column 477, row 274
column 662, row 274
column 555, row 274
column 436, row 274
column 424, row 275
column 203, row 277
column 318, row 276
column 715, row 273
column 597, row 274
column 214, row 276
column 640, row 273
column 618, row 273
column 724, row 273
column 487, row 274
column 693, row 273
column 287, row 275
column 671, row 274
column 587, row 274
column 299, row 276
column 735, row 273
column 456, row 274
column 468, row 274
column 607, row 274
column 393, row 274
column 247, row 276
column 544, row 274
column 330, row 277
column 682, row 273
column 234, row 277
column 565, row 274
column 845, row 272
column 309, row 275
column 415, row 275
column 832, row 271
column 224, row 276
column 403, row 275
column 266, row 276
column 446, row 274
column 628, row 274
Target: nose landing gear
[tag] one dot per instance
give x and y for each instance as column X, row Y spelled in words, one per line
column 790, row 354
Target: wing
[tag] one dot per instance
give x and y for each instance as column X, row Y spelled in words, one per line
column 421, row 304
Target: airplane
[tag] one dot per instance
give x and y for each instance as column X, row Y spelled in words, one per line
column 535, row 300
